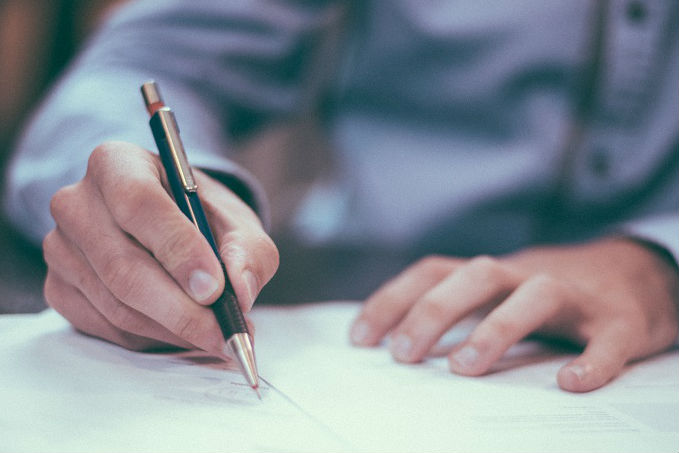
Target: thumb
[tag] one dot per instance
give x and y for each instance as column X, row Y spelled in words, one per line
column 602, row 360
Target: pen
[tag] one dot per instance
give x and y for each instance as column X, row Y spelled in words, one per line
column 185, row 192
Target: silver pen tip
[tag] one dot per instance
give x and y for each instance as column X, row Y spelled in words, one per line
column 241, row 347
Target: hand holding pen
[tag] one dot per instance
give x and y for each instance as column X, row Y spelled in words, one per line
column 126, row 265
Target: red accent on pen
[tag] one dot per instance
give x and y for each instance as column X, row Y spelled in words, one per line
column 154, row 107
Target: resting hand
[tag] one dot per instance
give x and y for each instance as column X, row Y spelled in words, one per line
column 616, row 297
column 126, row 265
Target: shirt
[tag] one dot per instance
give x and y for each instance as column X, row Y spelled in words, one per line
column 457, row 127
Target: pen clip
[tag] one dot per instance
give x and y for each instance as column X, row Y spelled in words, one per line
column 163, row 115
column 176, row 148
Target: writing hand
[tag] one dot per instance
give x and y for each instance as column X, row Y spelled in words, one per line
column 126, row 265
column 615, row 297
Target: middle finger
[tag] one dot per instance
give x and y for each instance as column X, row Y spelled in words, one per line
column 390, row 303
column 477, row 283
column 68, row 262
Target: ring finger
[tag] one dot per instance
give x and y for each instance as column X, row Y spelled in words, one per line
column 61, row 254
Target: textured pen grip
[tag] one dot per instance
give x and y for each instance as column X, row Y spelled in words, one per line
column 227, row 311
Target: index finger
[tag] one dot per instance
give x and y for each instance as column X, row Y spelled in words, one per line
column 129, row 180
column 391, row 302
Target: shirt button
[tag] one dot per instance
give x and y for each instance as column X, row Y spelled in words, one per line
column 636, row 11
column 599, row 163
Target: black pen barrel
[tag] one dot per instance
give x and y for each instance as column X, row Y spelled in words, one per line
column 185, row 193
column 226, row 308
column 229, row 316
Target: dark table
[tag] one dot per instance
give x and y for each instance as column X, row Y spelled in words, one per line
column 22, row 272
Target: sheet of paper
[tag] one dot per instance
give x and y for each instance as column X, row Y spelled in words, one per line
column 382, row 406
column 62, row 391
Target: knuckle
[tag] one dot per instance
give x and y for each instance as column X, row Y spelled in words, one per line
column 101, row 157
column 230, row 245
column 432, row 264
column 545, row 286
column 174, row 248
column 62, row 203
column 485, row 269
column 126, row 204
column 187, row 328
column 118, row 314
column 433, row 309
column 108, row 161
column 499, row 328
column 123, row 317
column 122, row 276
column 83, row 281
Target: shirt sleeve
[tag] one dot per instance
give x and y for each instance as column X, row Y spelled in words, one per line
column 661, row 230
column 226, row 68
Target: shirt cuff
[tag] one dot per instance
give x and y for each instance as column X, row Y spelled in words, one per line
column 660, row 230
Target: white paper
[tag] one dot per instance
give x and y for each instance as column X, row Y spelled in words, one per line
column 63, row 391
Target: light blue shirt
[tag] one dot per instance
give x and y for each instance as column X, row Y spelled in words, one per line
column 457, row 127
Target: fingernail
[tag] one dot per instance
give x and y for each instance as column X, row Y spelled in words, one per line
column 360, row 332
column 401, row 347
column 252, row 287
column 466, row 357
column 573, row 377
column 578, row 370
column 202, row 285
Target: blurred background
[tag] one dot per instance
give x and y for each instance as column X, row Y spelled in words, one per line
column 37, row 39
